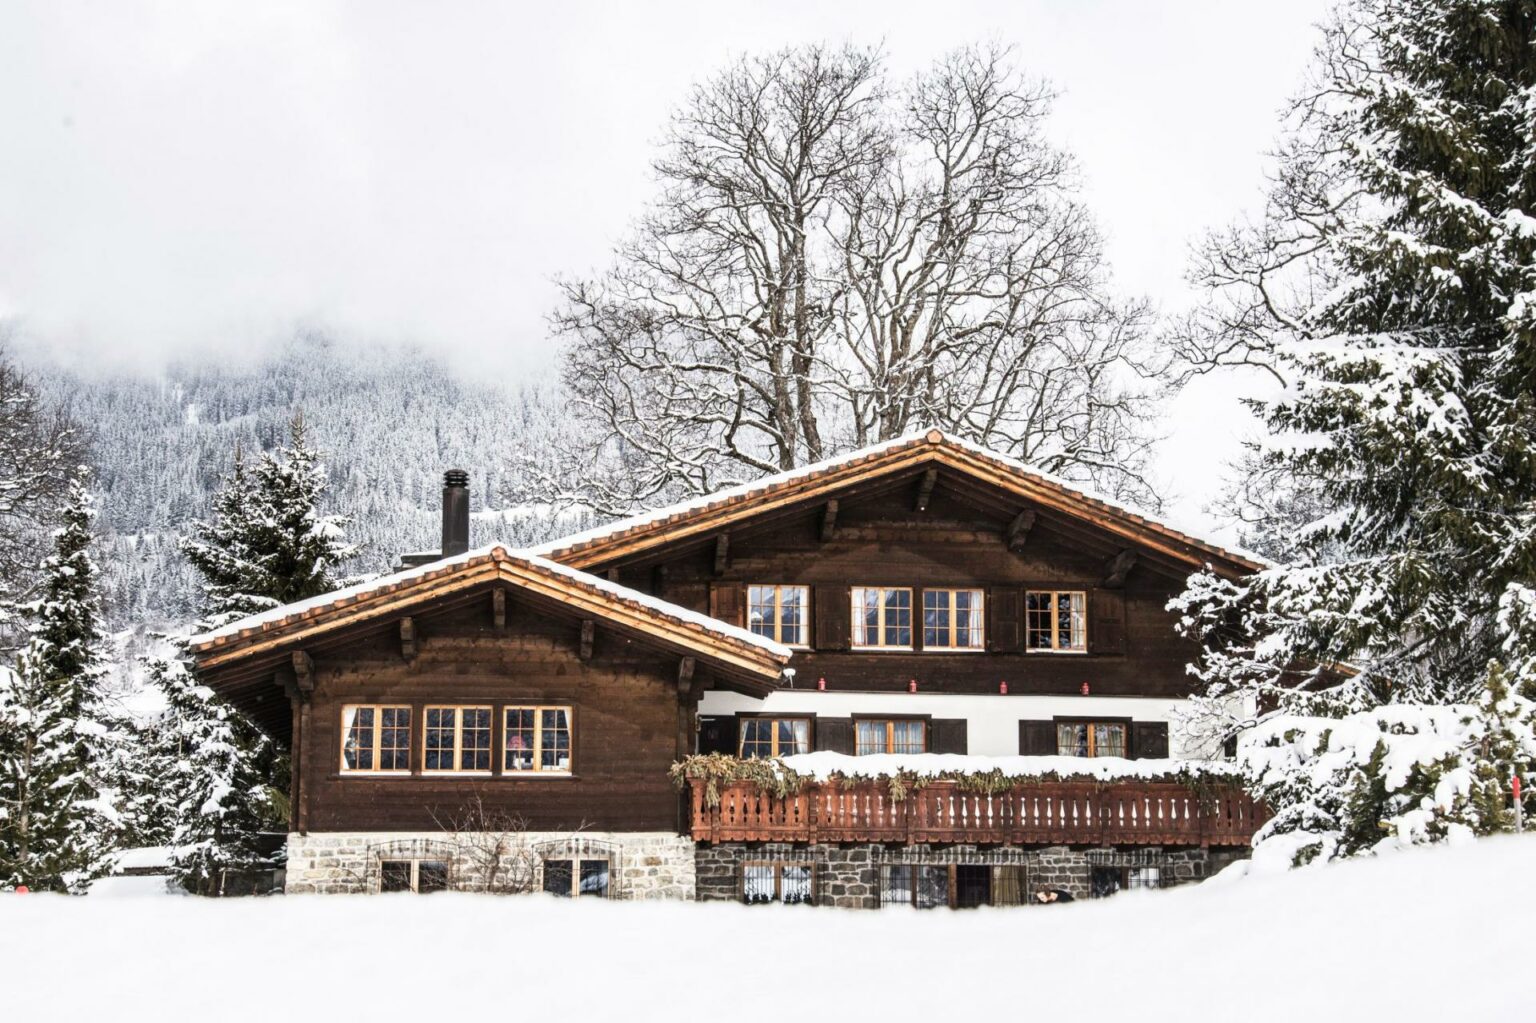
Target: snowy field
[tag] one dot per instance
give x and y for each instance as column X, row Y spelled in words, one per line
column 1361, row 941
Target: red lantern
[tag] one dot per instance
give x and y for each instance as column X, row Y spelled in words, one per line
column 1002, row 687
column 821, row 684
column 912, row 686
column 1085, row 688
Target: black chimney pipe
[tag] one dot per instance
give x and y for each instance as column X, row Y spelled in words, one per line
column 455, row 512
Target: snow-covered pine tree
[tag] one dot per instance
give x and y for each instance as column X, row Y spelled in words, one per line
column 1408, row 348
column 267, row 544
column 55, row 819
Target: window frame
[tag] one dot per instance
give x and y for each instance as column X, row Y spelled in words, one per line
column 458, row 739
column 978, row 612
column 573, row 863
column 500, row 763
column 804, row 642
column 1055, row 628
column 741, row 733
column 890, row 730
column 1090, row 722
column 778, row 867
column 914, row 885
column 857, row 627
column 377, row 729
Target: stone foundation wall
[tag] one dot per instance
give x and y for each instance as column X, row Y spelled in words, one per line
column 642, row 865
column 849, row 876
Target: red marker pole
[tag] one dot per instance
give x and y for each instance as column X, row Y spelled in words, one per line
column 1514, row 783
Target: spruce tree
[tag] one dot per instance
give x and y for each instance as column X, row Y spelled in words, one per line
column 55, row 732
column 1406, row 192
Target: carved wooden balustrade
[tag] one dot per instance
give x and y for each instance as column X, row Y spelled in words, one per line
column 1033, row 813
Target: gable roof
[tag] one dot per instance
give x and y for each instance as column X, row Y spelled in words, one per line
column 716, row 511
column 743, row 653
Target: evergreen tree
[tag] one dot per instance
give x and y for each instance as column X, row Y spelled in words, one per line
column 55, row 732
column 1409, row 355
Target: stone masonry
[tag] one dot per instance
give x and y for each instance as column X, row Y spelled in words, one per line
column 642, row 865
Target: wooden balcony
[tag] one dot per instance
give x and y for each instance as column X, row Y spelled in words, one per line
column 1037, row 813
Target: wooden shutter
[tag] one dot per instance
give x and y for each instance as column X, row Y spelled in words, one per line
column 1149, row 740
column 834, row 626
column 1037, row 738
column 727, row 603
column 717, row 735
column 1004, row 619
column 948, row 735
column 834, row 734
column 1106, row 622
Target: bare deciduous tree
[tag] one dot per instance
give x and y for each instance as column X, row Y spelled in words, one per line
column 834, row 261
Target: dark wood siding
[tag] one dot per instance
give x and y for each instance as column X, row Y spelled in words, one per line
column 1149, row 739
column 1037, row 738
column 948, row 735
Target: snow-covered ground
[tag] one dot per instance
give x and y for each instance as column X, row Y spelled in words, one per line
column 1379, row 940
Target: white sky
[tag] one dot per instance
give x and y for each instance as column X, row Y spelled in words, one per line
column 201, row 176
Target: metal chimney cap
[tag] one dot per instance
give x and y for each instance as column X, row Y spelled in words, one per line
column 456, row 478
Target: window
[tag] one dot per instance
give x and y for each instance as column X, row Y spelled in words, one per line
column 775, row 737
column 1090, row 739
column 538, row 740
column 570, row 878
column 420, row 876
column 909, row 884
column 952, row 620
column 1055, row 620
column 375, row 739
column 457, row 739
column 882, row 618
column 1106, row 881
column 778, row 612
column 789, row 883
column 890, row 737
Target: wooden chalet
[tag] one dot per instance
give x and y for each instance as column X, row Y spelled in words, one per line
column 924, row 596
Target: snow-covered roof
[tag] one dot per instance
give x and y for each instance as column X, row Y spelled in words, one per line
column 515, row 567
column 834, row 472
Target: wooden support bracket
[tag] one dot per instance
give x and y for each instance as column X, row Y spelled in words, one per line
column 1018, row 529
column 612, row 574
column 685, row 678
column 304, row 672
column 499, row 608
column 925, row 489
column 828, row 520
column 722, row 552
column 408, row 638
column 1118, row 568
column 588, row 634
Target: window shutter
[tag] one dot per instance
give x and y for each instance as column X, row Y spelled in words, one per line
column 948, row 735
column 1149, row 740
column 834, row 626
column 1037, row 738
column 834, row 734
column 1004, row 619
column 717, row 735
column 1106, row 622
column 727, row 603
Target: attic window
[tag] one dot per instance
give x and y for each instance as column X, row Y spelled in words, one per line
column 376, row 739
column 457, row 739
column 1055, row 620
column 778, row 612
column 882, row 618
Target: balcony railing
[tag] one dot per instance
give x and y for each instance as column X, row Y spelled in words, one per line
column 1035, row 813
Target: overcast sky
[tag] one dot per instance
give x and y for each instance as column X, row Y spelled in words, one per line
column 202, row 176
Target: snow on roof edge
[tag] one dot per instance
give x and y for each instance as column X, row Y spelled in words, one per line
column 706, row 501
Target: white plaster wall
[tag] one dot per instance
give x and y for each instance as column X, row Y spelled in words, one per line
column 993, row 720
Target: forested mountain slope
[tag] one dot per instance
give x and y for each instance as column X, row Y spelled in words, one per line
column 387, row 421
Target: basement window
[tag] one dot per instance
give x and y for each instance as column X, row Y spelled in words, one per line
column 789, row 883
column 576, row 877
column 420, row 876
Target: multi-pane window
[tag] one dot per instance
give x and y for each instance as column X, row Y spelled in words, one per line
column 1056, row 620
column 890, row 736
column 909, row 884
column 537, row 739
column 1091, row 739
column 789, row 883
column 952, row 620
column 882, row 618
column 457, row 739
column 420, row 876
column 778, row 612
column 568, row 878
column 376, row 739
column 775, row 737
